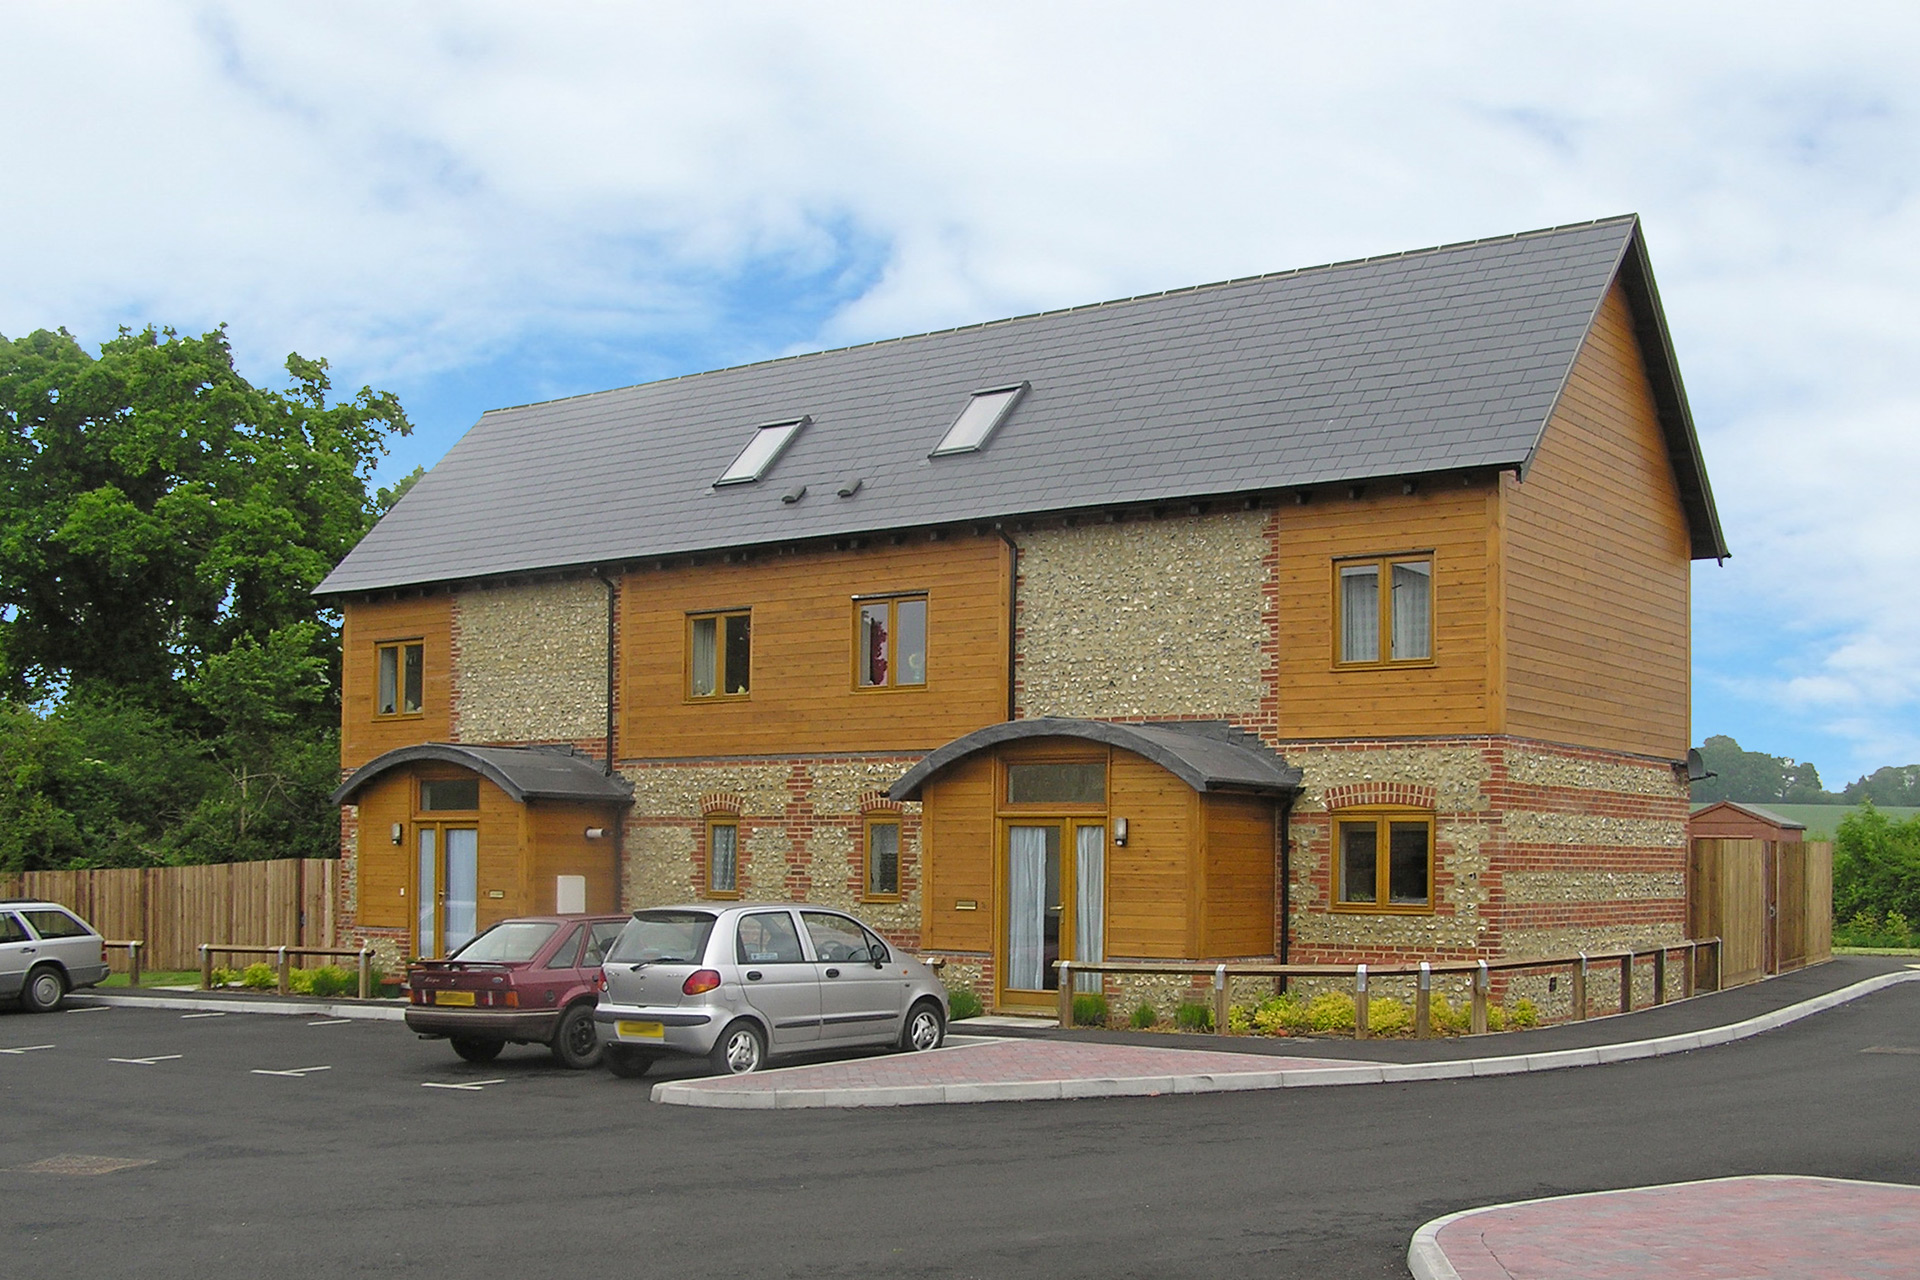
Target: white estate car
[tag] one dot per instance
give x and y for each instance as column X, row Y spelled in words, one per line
column 45, row 952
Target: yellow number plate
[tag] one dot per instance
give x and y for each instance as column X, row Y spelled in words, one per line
column 453, row 997
column 642, row 1030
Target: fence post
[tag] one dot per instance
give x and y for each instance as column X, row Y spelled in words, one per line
column 1220, row 1000
column 366, row 972
column 281, row 964
column 1580, row 989
column 1064, row 997
column 1692, row 974
column 1360, row 1002
column 133, row 963
column 1660, row 976
column 1626, row 982
column 206, row 966
column 1422, row 1002
column 1482, row 984
column 1719, row 949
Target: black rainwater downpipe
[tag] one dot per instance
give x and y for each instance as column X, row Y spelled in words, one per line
column 1013, row 615
column 1286, row 885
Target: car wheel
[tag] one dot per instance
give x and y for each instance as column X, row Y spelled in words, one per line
column 628, row 1064
column 925, row 1028
column 577, row 1044
column 740, row 1049
column 44, row 991
column 475, row 1049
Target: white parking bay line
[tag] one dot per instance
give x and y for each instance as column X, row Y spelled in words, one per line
column 26, row 1048
column 330, row 1022
column 297, row 1073
column 185, row 1016
column 147, row 1062
column 100, row 1008
column 470, row 1086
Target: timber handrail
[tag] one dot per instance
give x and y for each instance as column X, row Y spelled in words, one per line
column 282, row 954
column 132, row 947
column 1423, row 973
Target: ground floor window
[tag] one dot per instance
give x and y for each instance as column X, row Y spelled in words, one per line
column 723, row 858
column 883, row 857
column 1383, row 861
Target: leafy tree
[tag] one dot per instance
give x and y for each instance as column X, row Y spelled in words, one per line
column 1897, row 785
column 1756, row 777
column 1876, row 866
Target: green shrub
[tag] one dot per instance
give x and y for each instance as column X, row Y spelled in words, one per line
column 1897, row 927
column 1280, row 1016
column 964, row 1003
column 223, row 977
column 331, row 980
column 1523, row 1015
column 260, row 976
column 1089, row 1010
column 1331, row 1011
column 1447, row 1019
column 1144, row 1016
column 1240, row 1019
column 1388, row 1017
column 300, row 982
column 1193, row 1016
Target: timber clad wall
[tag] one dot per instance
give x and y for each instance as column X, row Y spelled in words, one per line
column 803, row 699
column 1598, row 565
column 428, row 619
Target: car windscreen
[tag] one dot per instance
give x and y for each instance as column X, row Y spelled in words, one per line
column 663, row 937
column 509, row 942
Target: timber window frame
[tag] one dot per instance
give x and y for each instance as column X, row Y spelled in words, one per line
column 880, row 870
column 723, row 857
column 890, row 642
column 399, row 668
column 1383, row 614
column 1365, row 881
column 719, row 648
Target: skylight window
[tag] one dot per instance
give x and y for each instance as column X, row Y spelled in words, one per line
column 768, row 443
column 985, row 411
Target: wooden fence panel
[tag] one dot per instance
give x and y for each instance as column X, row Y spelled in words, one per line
column 174, row 909
column 1790, row 922
column 1819, row 901
column 1728, row 900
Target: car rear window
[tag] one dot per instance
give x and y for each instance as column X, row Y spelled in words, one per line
column 56, row 924
column 509, row 942
column 663, row 937
column 602, row 937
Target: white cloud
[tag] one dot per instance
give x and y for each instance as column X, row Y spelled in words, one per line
column 420, row 190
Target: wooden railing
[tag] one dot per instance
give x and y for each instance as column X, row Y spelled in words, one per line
column 282, row 957
column 1579, row 963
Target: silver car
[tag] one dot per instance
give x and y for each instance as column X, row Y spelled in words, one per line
column 738, row 984
column 45, row 952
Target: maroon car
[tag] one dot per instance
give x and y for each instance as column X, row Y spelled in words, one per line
column 529, row 980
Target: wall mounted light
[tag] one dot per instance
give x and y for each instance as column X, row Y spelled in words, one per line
column 395, row 833
column 596, row 833
column 1120, row 831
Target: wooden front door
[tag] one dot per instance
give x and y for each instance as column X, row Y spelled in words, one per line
column 1052, row 887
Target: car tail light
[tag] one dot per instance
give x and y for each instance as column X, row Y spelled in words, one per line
column 600, row 983
column 699, row 981
column 511, row 999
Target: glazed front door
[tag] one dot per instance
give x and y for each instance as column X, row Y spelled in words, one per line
column 447, row 889
column 1054, row 874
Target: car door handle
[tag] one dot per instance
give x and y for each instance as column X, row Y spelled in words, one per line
column 754, row 975
column 833, row 973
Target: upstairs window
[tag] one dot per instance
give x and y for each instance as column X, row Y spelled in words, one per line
column 1383, row 862
column 1385, row 610
column 985, row 411
column 768, row 443
column 719, row 654
column 400, row 667
column 890, row 642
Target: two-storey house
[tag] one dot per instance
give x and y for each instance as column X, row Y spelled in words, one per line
column 1335, row 614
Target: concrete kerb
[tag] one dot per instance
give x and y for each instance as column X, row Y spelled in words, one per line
column 395, row 1012
column 780, row 1094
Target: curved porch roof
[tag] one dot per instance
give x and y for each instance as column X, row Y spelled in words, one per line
column 524, row 773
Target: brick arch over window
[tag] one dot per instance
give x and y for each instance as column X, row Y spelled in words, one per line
column 1399, row 795
column 872, row 802
column 722, row 803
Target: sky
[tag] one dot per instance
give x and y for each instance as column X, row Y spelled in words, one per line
column 477, row 204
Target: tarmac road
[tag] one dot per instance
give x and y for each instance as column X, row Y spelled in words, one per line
column 261, row 1166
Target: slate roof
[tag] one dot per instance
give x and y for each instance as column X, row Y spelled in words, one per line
column 524, row 773
column 1437, row 360
column 1207, row 755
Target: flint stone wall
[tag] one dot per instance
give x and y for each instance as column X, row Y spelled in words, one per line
column 532, row 662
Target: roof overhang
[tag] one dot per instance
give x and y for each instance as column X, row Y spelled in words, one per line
column 524, row 773
column 1206, row 755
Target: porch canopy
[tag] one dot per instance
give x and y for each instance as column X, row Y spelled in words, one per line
column 1208, row 755
column 524, row 773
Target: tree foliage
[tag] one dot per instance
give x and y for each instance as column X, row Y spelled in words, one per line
column 1897, row 785
column 169, row 682
column 1757, row 778
column 1876, row 866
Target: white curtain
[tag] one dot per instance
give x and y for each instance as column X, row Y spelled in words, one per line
column 429, row 892
column 1026, row 908
column 1412, row 611
column 1089, row 897
column 704, row 653
column 463, row 886
column 1360, row 615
